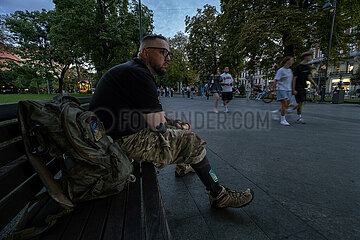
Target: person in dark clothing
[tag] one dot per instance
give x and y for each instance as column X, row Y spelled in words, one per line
column 127, row 92
column 215, row 87
column 302, row 74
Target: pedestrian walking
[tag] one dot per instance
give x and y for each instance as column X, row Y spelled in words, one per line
column 207, row 94
column 192, row 91
column 227, row 93
column 283, row 87
column 215, row 87
column 302, row 74
column 248, row 91
column 171, row 92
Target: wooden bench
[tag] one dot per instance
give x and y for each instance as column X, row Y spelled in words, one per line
column 135, row 213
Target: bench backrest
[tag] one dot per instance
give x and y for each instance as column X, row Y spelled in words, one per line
column 19, row 182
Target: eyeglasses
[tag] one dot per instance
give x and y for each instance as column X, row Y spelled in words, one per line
column 163, row 51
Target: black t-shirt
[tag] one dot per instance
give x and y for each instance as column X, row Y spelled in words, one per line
column 122, row 95
column 301, row 73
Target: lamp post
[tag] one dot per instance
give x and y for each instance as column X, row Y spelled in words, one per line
column 140, row 22
column 326, row 6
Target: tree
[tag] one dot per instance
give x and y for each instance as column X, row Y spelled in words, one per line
column 230, row 24
column 266, row 31
column 204, row 41
column 103, row 32
column 347, row 19
column 41, row 60
column 30, row 33
column 179, row 69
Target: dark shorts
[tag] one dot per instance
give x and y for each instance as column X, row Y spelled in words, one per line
column 227, row 96
column 300, row 96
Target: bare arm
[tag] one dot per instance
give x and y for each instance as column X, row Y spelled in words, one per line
column 274, row 86
column 312, row 81
column 293, row 85
column 156, row 121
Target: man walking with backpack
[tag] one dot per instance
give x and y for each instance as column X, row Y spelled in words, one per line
column 137, row 121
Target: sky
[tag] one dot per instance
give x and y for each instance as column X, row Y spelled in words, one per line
column 169, row 15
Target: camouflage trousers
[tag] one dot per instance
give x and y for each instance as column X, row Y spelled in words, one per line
column 176, row 146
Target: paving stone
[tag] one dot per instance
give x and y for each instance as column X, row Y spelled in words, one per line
column 305, row 177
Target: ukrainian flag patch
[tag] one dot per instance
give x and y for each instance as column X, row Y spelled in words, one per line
column 94, row 125
column 213, row 176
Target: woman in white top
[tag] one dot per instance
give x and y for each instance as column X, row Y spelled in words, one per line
column 283, row 87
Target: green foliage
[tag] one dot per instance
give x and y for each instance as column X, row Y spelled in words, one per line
column 204, row 41
column 263, row 31
column 242, row 89
column 103, row 32
column 99, row 33
column 30, row 32
column 179, row 69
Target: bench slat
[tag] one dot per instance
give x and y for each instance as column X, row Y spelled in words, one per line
column 19, row 171
column 156, row 225
column 22, row 195
column 51, row 207
column 97, row 220
column 133, row 221
column 8, row 111
column 84, row 99
column 76, row 222
column 9, row 131
column 115, row 223
column 37, row 211
column 15, row 176
column 11, row 152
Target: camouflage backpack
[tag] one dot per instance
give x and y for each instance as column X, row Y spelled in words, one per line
column 92, row 165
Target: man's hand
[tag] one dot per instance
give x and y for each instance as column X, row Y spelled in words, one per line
column 178, row 123
column 182, row 125
column 294, row 92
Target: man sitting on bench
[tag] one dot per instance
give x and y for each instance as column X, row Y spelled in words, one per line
column 126, row 101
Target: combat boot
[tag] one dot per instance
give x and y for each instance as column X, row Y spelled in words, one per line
column 230, row 198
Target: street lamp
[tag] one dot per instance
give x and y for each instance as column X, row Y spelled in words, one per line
column 140, row 22
column 332, row 7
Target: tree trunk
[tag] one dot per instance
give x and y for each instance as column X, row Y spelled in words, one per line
column 288, row 48
column 61, row 78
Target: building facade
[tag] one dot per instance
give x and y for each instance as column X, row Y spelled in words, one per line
column 341, row 74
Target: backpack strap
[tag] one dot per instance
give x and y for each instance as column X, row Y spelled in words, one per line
column 35, row 157
column 22, row 233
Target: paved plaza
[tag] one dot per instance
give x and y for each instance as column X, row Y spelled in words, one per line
column 306, row 177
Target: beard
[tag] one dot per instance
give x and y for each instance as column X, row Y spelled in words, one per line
column 157, row 69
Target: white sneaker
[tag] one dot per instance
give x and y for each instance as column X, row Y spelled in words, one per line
column 226, row 109
column 284, row 123
column 300, row 120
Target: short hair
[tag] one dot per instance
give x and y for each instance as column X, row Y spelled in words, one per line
column 150, row 38
column 285, row 59
column 305, row 54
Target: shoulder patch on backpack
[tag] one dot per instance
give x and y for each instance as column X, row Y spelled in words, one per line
column 95, row 129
